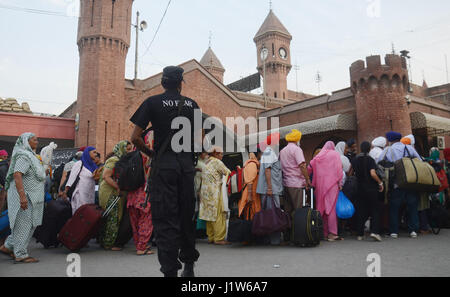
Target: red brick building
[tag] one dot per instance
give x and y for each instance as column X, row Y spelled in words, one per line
column 377, row 99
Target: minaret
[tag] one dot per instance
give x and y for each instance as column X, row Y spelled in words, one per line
column 273, row 54
column 212, row 64
column 103, row 42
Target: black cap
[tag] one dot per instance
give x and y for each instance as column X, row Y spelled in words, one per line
column 173, row 73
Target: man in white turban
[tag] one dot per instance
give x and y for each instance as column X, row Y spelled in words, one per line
column 378, row 144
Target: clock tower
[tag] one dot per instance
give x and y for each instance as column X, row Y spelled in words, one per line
column 274, row 57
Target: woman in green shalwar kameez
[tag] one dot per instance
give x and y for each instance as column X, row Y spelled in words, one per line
column 25, row 184
column 108, row 189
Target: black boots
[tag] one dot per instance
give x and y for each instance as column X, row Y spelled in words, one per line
column 171, row 274
column 188, row 270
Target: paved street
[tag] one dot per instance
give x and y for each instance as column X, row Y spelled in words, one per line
column 426, row 256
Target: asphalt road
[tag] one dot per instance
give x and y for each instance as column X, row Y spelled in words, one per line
column 427, row 255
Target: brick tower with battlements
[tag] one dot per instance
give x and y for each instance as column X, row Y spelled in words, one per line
column 381, row 96
column 103, row 42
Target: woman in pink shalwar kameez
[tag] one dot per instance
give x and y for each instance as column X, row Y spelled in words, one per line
column 140, row 217
column 327, row 181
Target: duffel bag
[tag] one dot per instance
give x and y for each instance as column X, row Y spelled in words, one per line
column 240, row 229
column 270, row 220
column 414, row 174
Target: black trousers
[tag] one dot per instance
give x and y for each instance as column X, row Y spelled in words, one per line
column 368, row 204
column 173, row 208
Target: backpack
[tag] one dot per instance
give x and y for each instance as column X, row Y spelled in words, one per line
column 129, row 172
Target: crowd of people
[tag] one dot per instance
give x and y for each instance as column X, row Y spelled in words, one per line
column 273, row 179
column 84, row 180
column 277, row 175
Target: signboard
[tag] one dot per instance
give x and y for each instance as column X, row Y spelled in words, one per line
column 62, row 156
column 246, row 84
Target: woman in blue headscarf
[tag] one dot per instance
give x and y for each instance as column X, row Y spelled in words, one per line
column 84, row 192
column 25, row 185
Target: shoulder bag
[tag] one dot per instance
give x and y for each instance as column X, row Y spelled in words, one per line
column 74, row 185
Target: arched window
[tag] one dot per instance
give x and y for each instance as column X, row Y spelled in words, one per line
column 396, row 81
column 373, row 83
column 384, row 81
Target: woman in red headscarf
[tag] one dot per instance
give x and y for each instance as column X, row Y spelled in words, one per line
column 327, row 180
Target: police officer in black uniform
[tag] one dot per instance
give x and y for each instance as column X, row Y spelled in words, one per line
column 171, row 192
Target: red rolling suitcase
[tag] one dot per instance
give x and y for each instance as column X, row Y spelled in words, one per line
column 83, row 226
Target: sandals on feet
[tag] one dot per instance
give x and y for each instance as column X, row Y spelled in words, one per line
column 26, row 260
column 147, row 251
column 222, row 242
column 337, row 238
column 6, row 251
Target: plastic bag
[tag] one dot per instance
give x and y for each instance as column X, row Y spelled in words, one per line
column 344, row 207
column 47, row 154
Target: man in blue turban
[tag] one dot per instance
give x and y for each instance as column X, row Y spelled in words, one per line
column 393, row 153
column 393, row 136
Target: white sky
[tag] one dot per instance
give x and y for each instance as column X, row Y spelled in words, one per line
column 39, row 57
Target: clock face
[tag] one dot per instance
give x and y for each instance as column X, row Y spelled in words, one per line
column 283, row 53
column 264, row 53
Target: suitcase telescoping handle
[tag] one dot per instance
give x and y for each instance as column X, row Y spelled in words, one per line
column 312, row 197
column 110, row 207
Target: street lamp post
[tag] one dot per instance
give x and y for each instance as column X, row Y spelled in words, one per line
column 139, row 26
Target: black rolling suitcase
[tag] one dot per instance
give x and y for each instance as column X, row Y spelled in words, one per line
column 307, row 225
column 125, row 230
column 56, row 214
